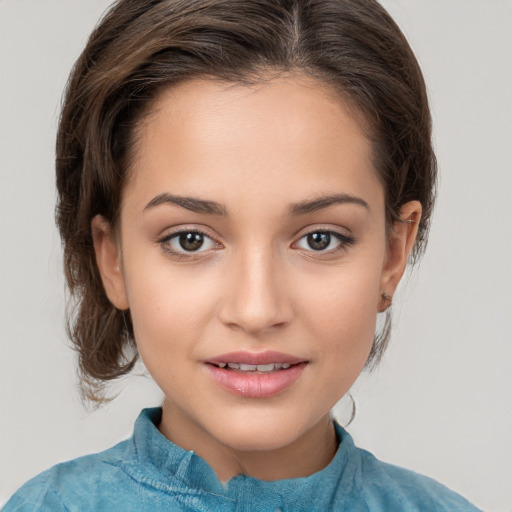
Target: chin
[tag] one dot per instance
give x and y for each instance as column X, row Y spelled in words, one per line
column 263, row 434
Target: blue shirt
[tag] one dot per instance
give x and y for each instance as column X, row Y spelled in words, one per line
column 150, row 473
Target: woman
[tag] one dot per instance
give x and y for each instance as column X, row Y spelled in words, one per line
column 382, row 190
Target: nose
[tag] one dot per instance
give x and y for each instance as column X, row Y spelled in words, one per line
column 255, row 295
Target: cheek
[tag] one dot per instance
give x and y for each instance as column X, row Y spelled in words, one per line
column 343, row 312
column 166, row 328
column 168, row 309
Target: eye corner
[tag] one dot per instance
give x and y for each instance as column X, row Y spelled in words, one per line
column 199, row 243
column 329, row 241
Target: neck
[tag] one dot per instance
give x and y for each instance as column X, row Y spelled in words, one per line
column 309, row 453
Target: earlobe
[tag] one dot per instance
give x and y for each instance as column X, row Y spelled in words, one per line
column 108, row 259
column 400, row 244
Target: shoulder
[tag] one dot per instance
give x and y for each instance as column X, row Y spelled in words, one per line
column 72, row 481
column 389, row 487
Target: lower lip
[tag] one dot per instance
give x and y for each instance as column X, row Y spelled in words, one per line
column 256, row 385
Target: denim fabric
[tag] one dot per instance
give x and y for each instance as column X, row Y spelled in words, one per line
column 150, row 473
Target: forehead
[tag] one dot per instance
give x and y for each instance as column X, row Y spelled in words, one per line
column 290, row 134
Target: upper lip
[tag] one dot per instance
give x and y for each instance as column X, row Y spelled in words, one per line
column 244, row 357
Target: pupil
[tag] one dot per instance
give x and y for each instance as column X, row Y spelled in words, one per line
column 319, row 241
column 191, row 241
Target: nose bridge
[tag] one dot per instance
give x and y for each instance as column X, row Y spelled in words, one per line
column 255, row 297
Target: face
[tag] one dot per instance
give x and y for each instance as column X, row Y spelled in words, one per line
column 252, row 233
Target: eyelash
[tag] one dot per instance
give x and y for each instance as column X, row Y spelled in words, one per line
column 345, row 241
column 164, row 243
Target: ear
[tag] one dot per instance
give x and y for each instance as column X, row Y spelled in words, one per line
column 400, row 243
column 108, row 259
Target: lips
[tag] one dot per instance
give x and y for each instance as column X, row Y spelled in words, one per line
column 271, row 367
column 255, row 375
column 255, row 358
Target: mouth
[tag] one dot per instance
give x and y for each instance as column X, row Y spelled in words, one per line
column 255, row 361
column 256, row 375
column 254, row 368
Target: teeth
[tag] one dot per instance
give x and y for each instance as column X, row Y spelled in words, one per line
column 255, row 367
column 248, row 367
column 266, row 367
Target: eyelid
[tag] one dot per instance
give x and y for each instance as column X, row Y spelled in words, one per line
column 174, row 233
column 343, row 235
column 345, row 239
column 186, row 228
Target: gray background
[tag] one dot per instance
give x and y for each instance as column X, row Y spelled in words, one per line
column 441, row 402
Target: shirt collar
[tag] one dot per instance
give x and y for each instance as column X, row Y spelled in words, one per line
column 166, row 463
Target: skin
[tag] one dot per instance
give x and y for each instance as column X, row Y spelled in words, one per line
column 255, row 284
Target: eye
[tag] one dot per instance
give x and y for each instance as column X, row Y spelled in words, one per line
column 325, row 241
column 182, row 242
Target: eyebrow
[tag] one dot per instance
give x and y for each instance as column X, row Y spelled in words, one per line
column 190, row 203
column 304, row 207
column 212, row 208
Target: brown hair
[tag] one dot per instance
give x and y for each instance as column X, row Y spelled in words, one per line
column 140, row 47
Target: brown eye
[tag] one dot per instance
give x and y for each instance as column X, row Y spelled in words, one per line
column 183, row 242
column 318, row 241
column 325, row 241
column 191, row 241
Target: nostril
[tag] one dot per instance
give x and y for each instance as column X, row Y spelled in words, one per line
column 254, row 293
